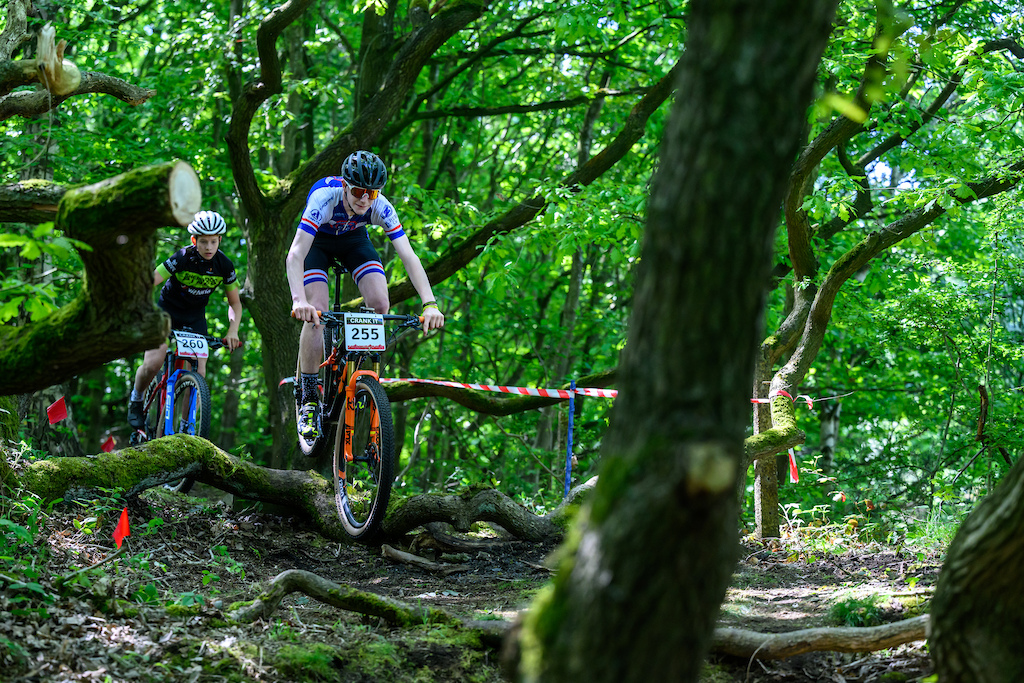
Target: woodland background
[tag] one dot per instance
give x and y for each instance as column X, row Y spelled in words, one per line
column 522, row 139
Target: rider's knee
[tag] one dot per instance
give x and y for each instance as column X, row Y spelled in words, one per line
column 379, row 304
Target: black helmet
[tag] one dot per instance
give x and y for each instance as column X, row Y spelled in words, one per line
column 364, row 169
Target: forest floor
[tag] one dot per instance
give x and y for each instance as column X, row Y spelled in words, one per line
column 199, row 556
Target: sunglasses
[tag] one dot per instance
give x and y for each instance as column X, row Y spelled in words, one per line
column 360, row 192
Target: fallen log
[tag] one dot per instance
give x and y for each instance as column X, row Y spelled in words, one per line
column 742, row 643
column 304, row 494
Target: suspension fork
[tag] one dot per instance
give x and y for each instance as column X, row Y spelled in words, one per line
column 353, row 374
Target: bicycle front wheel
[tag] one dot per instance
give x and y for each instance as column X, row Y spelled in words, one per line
column 363, row 475
column 191, row 414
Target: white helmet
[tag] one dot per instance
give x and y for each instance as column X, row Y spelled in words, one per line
column 207, row 223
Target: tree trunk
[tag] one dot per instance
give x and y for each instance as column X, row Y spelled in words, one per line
column 637, row 597
column 766, row 471
column 113, row 315
column 232, row 398
column 978, row 609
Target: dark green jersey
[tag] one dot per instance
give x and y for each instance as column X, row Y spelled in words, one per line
column 191, row 279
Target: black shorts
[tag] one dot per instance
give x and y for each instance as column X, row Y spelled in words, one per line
column 353, row 251
column 187, row 320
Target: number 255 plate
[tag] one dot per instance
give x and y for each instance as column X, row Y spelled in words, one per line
column 364, row 332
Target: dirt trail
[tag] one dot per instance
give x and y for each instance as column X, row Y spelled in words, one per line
column 202, row 555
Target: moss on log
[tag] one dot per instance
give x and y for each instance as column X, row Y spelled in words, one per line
column 304, row 494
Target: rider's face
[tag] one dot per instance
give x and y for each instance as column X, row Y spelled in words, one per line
column 359, row 205
column 207, row 245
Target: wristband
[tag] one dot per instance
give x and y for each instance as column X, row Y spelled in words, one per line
column 430, row 304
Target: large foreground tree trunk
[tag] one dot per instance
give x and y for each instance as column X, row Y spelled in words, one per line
column 638, row 598
column 978, row 609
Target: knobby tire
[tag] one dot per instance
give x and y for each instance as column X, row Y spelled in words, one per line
column 362, row 488
column 195, row 422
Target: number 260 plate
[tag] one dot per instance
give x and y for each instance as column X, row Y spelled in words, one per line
column 364, row 332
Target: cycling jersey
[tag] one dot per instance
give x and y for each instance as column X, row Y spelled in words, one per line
column 325, row 212
column 190, row 279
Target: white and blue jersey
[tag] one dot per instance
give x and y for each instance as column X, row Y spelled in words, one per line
column 325, row 212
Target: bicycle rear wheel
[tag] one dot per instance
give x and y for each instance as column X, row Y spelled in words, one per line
column 327, row 381
column 191, row 414
column 362, row 485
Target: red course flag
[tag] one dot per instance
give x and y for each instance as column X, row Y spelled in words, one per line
column 794, row 474
column 109, row 444
column 122, row 528
column 58, row 411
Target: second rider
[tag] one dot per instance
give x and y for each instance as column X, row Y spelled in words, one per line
column 333, row 229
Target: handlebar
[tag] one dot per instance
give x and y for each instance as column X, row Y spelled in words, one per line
column 331, row 318
column 214, row 342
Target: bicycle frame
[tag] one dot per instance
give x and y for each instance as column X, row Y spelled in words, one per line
column 173, row 367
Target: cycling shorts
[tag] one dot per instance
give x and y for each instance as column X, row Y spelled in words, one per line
column 352, row 250
column 193, row 320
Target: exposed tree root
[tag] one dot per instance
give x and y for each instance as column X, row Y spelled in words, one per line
column 354, row 600
column 727, row 641
column 743, row 643
column 488, row 505
column 421, row 562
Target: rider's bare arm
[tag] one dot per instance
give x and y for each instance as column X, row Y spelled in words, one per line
column 301, row 308
column 432, row 316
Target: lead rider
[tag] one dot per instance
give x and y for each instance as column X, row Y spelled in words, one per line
column 334, row 229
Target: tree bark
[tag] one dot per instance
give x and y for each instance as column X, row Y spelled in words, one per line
column 627, row 605
column 978, row 609
column 113, row 315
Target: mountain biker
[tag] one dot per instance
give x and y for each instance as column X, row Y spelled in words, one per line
column 189, row 276
column 333, row 229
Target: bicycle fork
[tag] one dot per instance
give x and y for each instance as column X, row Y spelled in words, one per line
column 350, row 415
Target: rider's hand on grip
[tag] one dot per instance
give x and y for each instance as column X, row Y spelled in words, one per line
column 305, row 313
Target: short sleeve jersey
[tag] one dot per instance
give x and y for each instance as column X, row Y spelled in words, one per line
column 325, row 212
column 191, row 278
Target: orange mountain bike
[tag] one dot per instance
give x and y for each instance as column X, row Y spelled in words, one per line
column 355, row 416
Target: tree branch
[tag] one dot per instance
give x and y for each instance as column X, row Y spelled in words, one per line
column 26, row 104
column 463, row 253
column 487, row 403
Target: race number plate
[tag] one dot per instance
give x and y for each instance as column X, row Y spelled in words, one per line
column 364, row 332
column 191, row 345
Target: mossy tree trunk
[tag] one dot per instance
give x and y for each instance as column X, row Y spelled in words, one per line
column 637, row 597
column 113, row 315
column 978, row 609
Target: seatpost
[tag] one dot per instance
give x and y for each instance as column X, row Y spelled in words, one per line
column 337, row 289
